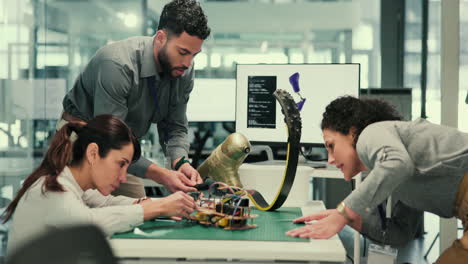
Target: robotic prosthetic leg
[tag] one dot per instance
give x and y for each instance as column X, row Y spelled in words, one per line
column 225, row 160
column 223, row 163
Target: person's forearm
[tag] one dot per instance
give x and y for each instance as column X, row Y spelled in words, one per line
column 356, row 223
column 178, row 144
column 140, row 167
column 94, row 199
column 464, row 240
column 151, row 209
column 154, row 172
column 175, row 162
column 175, row 153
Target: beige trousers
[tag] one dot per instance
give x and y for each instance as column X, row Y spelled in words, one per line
column 457, row 254
column 134, row 187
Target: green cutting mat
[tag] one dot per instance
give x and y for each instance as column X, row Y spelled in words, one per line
column 269, row 228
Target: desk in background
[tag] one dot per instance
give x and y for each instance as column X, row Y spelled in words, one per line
column 136, row 250
column 267, row 178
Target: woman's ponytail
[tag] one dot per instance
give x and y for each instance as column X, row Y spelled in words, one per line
column 57, row 157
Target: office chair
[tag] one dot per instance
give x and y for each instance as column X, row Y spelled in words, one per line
column 72, row 245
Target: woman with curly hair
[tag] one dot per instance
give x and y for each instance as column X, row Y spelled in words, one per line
column 422, row 166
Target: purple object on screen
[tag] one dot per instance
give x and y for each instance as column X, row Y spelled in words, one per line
column 294, row 81
column 301, row 104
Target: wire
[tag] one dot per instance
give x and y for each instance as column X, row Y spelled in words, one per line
column 306, row 155
column 220, row 183
column 235, row 208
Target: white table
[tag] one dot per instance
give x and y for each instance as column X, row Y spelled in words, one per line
column 266, row 178
column 221, row 251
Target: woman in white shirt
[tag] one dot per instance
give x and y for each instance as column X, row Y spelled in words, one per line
column 83, row 165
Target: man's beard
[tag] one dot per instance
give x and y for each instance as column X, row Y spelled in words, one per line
column 166, row 66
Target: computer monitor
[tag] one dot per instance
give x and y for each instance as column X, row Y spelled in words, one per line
column 258, row 114
column 212, row 100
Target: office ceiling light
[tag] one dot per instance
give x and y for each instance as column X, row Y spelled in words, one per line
column 130, row 20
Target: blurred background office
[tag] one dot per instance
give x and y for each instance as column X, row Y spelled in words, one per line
column 44, row 44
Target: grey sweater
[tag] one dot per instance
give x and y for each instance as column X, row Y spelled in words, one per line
column 419, row 164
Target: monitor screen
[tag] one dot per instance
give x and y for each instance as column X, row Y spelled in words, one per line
column 258, row 114
column 212, row 100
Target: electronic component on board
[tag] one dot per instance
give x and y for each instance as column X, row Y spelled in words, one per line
column 226, row 207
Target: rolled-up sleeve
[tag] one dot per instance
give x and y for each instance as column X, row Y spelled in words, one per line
column 139, row 167
column 379, row 148
column 176, row 127
column 94, row 199
column 113, row 219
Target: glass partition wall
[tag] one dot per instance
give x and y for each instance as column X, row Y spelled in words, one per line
column 43, row 47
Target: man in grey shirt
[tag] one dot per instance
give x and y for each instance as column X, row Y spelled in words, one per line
column 145, row 80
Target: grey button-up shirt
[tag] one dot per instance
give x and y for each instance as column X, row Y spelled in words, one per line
column 419, row 164
column 122, row 79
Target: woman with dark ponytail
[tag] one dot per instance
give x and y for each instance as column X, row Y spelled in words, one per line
column 83, row 165
column 419, row 165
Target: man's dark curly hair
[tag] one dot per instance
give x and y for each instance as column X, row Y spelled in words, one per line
column 184, row 15
column 348, row 112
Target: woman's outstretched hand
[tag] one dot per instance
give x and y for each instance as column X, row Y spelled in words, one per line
column 328, row 223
